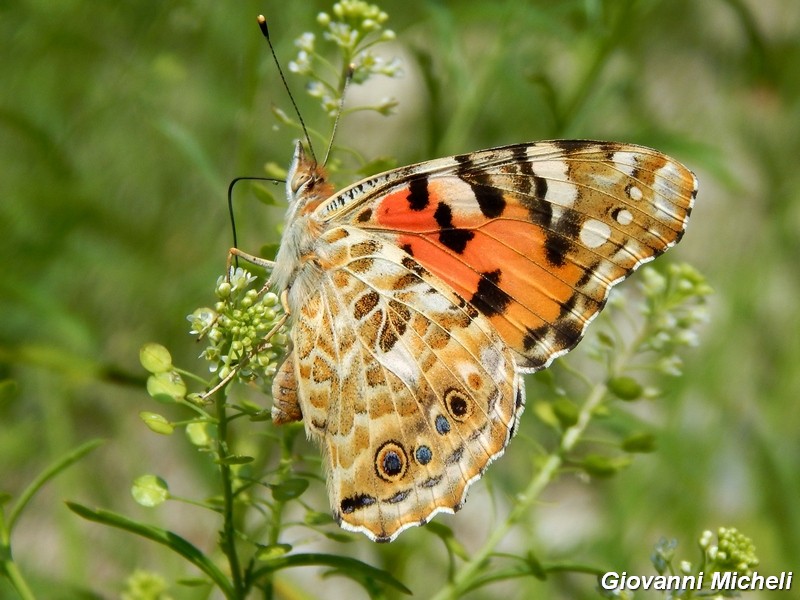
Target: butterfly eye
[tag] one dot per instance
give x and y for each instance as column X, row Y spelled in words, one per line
column 299, row 180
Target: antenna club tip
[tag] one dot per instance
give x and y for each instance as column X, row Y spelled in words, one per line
column 351, row 69
column 262, row 23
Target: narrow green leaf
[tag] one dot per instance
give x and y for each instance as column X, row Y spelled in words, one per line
column 47, row 475
column 276, row 171
column 273, row 551
column 527, row 566
column 544, row 411
column 193, row 581
column 604, row 338
column 339, row 537
column 166, row 538
column 344, row 565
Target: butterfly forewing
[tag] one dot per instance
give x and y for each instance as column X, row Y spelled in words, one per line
column 534, row 235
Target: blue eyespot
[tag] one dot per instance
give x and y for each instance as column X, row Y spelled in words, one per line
column 442, row 425
column 392, row 465
column 424, row 455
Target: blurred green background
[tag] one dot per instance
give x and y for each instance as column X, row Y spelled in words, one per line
column 121, row 124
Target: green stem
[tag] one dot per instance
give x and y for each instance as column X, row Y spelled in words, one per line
column 228, row 541
column 7, row 565
column 283, row 473
column 19, row 583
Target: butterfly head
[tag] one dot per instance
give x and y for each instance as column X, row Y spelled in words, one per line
column 306, row 188
column 306, row 183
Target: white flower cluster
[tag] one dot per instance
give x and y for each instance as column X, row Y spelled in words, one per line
column 354, row 28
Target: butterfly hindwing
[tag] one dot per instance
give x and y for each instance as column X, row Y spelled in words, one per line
column 409, row 390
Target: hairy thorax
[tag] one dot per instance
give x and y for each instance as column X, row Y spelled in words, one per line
column 298, row 265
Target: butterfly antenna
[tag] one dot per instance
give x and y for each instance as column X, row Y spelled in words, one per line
column 347, row 79
column 262, row 23
column 230, row 207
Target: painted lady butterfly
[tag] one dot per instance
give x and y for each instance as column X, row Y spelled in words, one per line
column 421, row 295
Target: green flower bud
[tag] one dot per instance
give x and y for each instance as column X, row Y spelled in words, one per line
column 639, row 443
column 625, row 388
column 603, row 467
column 566, row 412
column 224, row 290
column 270, row 299
column 197, row 433
column 150, row 490
column 166, row 387
column 705, row 539
column 156, row 422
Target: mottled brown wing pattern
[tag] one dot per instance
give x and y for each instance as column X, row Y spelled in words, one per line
column 534, row 235
column 409, row 389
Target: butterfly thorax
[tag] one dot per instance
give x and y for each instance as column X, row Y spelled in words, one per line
column 297, row 266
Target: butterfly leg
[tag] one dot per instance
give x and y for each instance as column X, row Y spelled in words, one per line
column 235, row 253
column 251, row 258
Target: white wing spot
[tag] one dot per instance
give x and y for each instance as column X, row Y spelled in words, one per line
column 635, row 193
column 624, row 217
column 626, row 162
column 492, row 361
column 560, row 190
column 401, row 362
column 594, row 233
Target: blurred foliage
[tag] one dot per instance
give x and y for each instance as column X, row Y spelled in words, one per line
column 122, row 123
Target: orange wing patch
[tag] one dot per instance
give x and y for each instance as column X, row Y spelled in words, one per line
column 534, row 236
column 500, row 265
